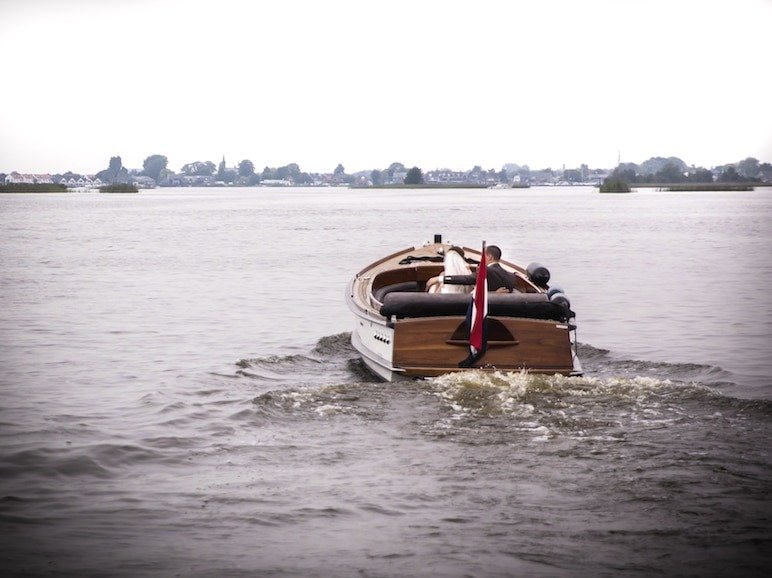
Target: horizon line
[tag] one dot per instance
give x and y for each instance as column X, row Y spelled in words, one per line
column 563, row 166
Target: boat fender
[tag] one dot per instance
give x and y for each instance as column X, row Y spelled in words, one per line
column 561, row 299
column 554, row 289
column 538, row 274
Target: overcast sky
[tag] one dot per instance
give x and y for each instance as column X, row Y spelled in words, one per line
column 367, row 83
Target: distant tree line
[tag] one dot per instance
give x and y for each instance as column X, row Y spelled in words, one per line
column 656, row 170
column 116, row 174
column 659, row 170
column 414, row 177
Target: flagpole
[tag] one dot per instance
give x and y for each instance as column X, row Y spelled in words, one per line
column 477, row 314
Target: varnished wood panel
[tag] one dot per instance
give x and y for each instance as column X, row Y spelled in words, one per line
column 423, row 342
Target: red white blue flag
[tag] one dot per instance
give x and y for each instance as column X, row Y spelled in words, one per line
column 477, row 344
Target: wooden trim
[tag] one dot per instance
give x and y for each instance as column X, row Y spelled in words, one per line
column 380, row 261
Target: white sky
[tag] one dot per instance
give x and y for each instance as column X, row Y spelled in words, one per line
column 366, row 83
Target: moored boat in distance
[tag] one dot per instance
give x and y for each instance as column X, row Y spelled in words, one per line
column 402, row 331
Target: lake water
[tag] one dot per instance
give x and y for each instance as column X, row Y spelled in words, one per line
column 179, row 396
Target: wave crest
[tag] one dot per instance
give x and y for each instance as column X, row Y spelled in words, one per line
column 506, row 392
column 338, row 344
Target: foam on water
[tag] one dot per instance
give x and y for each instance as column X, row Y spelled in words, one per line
column 332, row 379
column 502, row 392
column 322, row 401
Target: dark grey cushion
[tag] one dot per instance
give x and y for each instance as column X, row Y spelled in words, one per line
column 529, row 305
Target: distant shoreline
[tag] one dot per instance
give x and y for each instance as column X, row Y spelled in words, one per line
column 422, row 186
column 688, row 187
column 21, row 188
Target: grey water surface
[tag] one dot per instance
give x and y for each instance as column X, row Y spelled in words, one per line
column 178, row 395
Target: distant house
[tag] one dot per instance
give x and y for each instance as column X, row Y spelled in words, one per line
column 543, row 177
column 201, row 180
column 276, row 183
column 81, row 181
column 143, row 182
column 444, row 176
column 174, row 180
column 397, row 178
column 29, row 178
column 197, row 180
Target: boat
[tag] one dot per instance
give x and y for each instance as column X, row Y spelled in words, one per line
column 402, row 332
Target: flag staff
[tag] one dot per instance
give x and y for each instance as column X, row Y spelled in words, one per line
column 477, row 314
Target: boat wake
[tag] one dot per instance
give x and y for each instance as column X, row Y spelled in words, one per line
column 601, row 363
column 508, row 392
column 277, row 367
column 613, row 395
column 364, row 400
column 334, row 355
column 332, row 358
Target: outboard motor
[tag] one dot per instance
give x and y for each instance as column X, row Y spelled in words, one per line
column 538, row 274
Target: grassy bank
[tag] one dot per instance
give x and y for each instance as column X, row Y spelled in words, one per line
column 613, row 185
column 710, row 187
column 700, row 186
column 122, row 188
column 32, row 188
